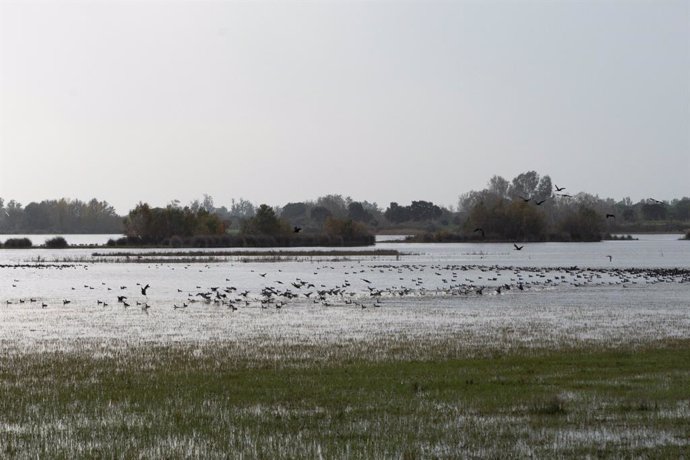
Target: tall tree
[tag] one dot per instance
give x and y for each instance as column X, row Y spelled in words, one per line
column 524, row 185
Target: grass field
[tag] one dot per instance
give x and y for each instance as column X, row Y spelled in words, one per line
column 214, row 400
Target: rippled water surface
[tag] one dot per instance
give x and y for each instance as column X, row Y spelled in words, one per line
column 545, row 293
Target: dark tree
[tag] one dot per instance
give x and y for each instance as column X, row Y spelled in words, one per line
column 294, row 211
column 320, row 214
column 583, row 225
column 265, row 222
column 396, row 213
column 654, row 211
column 154, row 225
column 355, row 211
column 424, row 210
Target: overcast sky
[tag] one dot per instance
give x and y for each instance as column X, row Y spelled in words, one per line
column 383, row 101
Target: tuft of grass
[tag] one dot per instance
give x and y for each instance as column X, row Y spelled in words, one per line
column 554, row 405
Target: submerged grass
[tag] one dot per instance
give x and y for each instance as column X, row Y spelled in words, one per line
column 186, row 257
column 208, row 401
column 284, row 253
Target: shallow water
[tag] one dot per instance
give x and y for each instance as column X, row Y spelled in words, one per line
column 548, row 293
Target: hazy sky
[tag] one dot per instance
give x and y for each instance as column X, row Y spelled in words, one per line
column 379, row 100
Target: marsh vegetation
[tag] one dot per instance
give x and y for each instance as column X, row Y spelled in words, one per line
column 284, row 402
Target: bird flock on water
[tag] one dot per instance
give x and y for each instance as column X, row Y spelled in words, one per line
column 370, row 286
column 357, row 289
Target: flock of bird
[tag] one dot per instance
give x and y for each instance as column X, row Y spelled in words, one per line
column 365, row 285
column 357, row 289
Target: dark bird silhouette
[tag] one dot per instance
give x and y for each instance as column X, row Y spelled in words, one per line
column 479, row 230
column 524, row 199
column 613, row 216
column 558, row 189
column 565, row 195
column 297, row 229
column 518, row 248
column 540, row 202
column 657, row 201
column 610, row 258
column 143, row 290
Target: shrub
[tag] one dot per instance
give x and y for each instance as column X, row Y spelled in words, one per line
column 16, row 243
column 56, row 243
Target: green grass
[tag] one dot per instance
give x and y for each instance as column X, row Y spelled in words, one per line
column 211, row 402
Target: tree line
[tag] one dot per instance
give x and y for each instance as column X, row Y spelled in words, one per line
column 530, row 207
column 59, row 216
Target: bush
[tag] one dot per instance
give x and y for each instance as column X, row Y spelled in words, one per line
column 56, row 243
column 16, row 243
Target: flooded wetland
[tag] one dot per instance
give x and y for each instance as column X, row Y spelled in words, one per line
column 441, row 350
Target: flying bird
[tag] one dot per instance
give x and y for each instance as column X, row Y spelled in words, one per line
column 143, row 290
column 297, row 229
column 558, row 189
column 518, row 248
column 610, row 258
column 613, row 216
column 524, row 199
column 540, row 202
